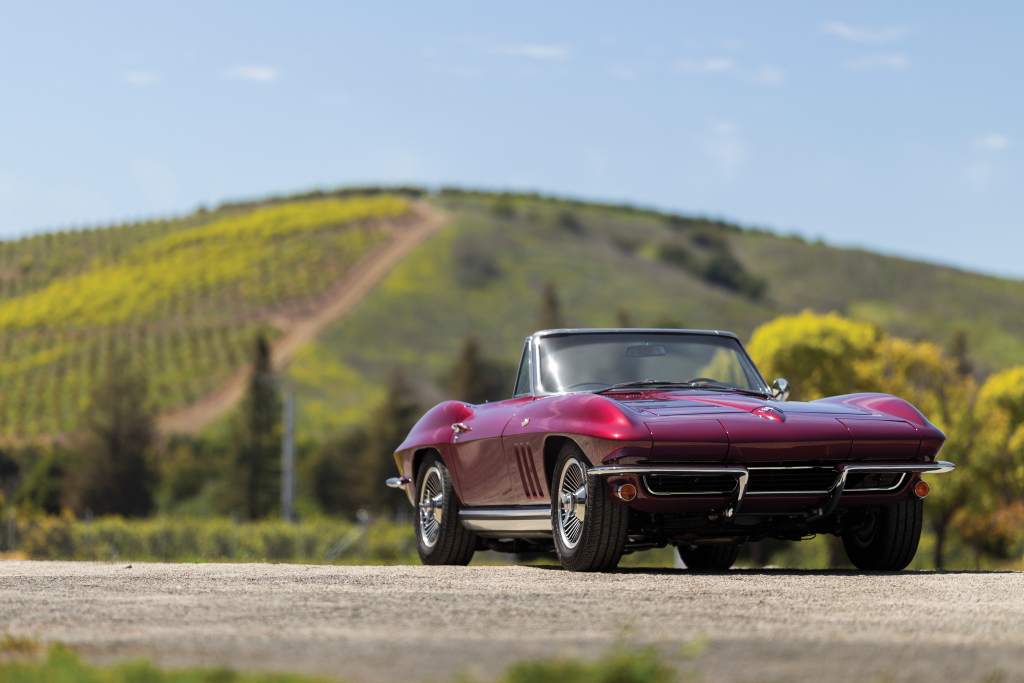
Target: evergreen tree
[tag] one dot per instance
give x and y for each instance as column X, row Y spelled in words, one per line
column 115, row 474
column 392, row 422
column 255, row 477
column 958, row 351
column 349, row 472
column 474, row 378
column 550, row 315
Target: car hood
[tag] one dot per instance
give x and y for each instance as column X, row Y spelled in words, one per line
column 707, row 425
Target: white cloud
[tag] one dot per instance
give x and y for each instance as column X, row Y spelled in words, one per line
column 623, row 72
column 533, row 51
column 724, row 148
column 714, row 64
column 141, row 77
column 860, row 35
column 992, row 142
column 768, row 75
column 894, row 60
column 256, row 74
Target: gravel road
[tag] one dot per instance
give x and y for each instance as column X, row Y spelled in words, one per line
column 428, row 623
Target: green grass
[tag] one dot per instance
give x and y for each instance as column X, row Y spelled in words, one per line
column 62, row 665
column 196, row 539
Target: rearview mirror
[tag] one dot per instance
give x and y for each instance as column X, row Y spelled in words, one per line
column 645, row 350
column 780, row 389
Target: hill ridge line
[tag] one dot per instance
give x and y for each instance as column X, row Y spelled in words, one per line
column 349, row 292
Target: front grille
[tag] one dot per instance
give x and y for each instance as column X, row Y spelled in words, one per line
column 795, row 480
column 690, row 484
column 878, row 481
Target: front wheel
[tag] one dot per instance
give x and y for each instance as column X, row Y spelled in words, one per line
column 440, row 536
column 887, row 537
column 589, row 529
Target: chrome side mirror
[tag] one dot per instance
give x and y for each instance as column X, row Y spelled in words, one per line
column 780, row 389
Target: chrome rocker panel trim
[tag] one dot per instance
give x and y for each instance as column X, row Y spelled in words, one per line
column 534, row 519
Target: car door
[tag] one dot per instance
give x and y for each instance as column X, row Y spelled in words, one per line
column 479, row 456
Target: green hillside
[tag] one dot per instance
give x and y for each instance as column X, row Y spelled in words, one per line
column 485, row 272
column 182, row 298
column 185, row 297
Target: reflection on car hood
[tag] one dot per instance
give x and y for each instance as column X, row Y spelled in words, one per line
column 705, row 403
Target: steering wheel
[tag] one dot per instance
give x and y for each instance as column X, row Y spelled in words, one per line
column 701, row 379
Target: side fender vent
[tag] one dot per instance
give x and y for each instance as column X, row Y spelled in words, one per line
column 532, row 483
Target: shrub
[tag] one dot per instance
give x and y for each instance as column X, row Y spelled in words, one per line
column 675, row 255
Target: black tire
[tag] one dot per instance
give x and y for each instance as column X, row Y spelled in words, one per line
column 888, row 537
column 601, row 535
column 440, row 536
column 714, row 557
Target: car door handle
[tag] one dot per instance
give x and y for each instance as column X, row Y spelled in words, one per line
column 460, row 427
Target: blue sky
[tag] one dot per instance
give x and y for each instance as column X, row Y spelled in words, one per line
column 896, row 128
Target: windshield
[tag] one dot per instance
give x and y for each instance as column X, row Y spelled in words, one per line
column 592, row 362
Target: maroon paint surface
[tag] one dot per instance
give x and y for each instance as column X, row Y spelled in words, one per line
column 501, row 461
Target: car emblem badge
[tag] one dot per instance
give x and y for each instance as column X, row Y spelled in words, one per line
column 770, row 413
column 525, row 422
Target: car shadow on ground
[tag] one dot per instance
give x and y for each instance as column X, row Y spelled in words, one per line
column 781, row 571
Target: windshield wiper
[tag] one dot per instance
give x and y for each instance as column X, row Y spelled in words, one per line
column 714, row 386
column 689, row 385
column 646, row 383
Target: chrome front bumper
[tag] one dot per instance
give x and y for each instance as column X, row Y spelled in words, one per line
column 742, row 475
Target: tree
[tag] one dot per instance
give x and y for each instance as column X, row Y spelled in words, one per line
column 474, row 378
column 827, row 355
column 43, row 487
column 549, row 317
column 818, row 354
column 958, row 350
column 254, row 477
column 622, row 318
column 115, row 473
column 992, row 519
column 931, row 381
column 349, row 472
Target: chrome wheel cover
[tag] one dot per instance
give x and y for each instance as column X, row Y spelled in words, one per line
column 572, row 502
column 431, row 506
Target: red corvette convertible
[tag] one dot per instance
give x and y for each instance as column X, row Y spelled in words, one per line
column 621, row 440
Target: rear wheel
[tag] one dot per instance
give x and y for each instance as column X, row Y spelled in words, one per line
column 440, row 536
column 708, row 556
column 589, row 529
column 887, row 537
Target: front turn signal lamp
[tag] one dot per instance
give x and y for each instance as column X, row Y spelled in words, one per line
column 626, row 492
column 921, row 489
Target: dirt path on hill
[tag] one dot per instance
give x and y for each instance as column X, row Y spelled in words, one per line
column 421, row 624
column 343, row 297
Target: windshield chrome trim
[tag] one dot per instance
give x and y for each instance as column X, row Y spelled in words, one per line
column 537, row 336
